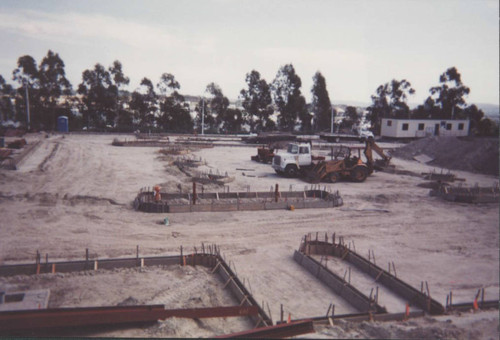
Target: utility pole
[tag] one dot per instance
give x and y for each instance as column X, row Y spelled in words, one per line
column 203, row 116
column 331, row 130
column 27, row 105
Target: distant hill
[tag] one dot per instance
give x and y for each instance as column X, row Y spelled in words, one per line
column 490, row 110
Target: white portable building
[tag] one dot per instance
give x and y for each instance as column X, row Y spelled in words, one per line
column 419, row 128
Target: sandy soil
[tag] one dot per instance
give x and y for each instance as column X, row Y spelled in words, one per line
column 76, row 192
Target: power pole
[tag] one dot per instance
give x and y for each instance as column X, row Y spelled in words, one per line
column 203, row 116
column 27, row 105
column 331, row 129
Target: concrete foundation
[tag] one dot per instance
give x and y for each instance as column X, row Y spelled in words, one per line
column 234, row 201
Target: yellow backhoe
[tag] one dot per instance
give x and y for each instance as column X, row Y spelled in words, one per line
column 344, row 165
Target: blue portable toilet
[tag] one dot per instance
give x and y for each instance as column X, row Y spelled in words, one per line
column 62, row 124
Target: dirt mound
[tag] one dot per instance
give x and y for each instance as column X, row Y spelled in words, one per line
column 478, row 155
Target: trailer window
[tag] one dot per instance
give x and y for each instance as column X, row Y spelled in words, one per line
column 448, row 126
column 460, row 126
column 421, row 126
column 303, row 149
column 389, row 123
column 405, row 127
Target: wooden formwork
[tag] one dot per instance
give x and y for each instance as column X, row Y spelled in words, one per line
column 208, row 257
column 463, row 194
column 236, row 201
column 411, row 295
column 344, row 289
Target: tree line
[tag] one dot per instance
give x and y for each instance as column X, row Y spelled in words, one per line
column 102, row 102
column 446, row 101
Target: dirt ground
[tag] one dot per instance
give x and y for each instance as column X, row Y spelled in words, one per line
column 76, row 192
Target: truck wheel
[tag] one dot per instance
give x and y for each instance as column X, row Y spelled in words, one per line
column 359, row 174
column 333, row 177
column 291, row 170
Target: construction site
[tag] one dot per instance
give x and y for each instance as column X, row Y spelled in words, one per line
column 107, row 235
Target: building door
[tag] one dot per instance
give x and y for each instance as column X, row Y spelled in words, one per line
column 436, row 130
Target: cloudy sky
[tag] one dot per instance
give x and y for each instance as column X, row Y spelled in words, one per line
column 356, row 44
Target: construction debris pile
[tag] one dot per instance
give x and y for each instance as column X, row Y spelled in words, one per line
column 468, row 154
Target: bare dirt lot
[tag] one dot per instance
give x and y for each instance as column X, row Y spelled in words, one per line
column 76, row 192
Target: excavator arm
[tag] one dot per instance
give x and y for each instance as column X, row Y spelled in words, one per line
column 371, row 145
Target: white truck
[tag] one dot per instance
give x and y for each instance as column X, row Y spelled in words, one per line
column 296, row 159
column 358, row 134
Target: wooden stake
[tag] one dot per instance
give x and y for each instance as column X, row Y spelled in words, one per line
column 269, row 311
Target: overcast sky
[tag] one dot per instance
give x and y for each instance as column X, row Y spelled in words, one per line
column 356, row 44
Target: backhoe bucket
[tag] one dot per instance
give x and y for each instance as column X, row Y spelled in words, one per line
column 312, row 177
column 315, row 174
column 381, row 164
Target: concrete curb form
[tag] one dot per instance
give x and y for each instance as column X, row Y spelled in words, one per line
column 348, row 292
column 210, row 258
column 399, row 287
column 236, row 201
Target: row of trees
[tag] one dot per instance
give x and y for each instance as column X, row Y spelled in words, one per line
column 101, row 101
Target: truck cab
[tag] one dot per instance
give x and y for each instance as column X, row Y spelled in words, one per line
column 297, row 156
column 364, row 135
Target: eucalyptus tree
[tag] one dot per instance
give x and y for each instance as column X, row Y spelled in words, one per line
column 27, row 92
column 257, row 102
column 7, row 95
column 289, row 100
column 44, row 91
column 123, row 117
column 450, row 94
column 211, row 110
column 55, row 90
column 390, row 101
column 144, row 105
column 174, row 112
column 99, row 96
column 321, row 106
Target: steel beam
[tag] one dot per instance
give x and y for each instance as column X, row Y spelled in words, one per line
column 490, row 304
column 92, row 316
column 279, row 331
column 360, row 317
